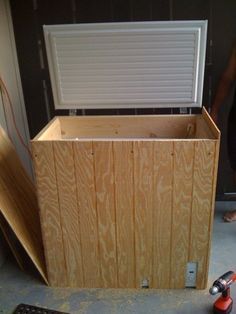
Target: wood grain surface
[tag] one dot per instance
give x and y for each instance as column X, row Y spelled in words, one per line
column 51, row 131
column 67, row 188
column 181, row 215
column 18, row 206
column 143, row 198
column 121, row 210
column 201, row 206
column 162, row 215
column 124, row 198
column 87, row 210
column 47, row 188
column 210, row 123
column 214, row 181
column 104, row 178
column 126, row 127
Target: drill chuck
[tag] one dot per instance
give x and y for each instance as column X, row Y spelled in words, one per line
column 222, row 283
column 214, row 290
column 218, row 286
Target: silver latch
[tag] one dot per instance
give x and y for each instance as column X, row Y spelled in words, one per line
column 191, row 275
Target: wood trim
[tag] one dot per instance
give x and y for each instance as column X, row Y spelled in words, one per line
column 52, row 131
column 214, row 182
column 210, row 123
column 201, row 207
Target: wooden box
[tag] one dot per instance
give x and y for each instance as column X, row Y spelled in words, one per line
column 126, row 198
column 127, row 201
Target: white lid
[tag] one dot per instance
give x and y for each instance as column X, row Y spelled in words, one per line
column 127, row 65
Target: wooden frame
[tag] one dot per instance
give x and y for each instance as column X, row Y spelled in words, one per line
column 126, row 198
column 128, row 127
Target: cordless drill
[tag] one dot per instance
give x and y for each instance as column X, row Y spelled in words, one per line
column 224, row 304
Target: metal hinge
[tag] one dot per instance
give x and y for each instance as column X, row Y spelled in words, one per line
column 72, row 112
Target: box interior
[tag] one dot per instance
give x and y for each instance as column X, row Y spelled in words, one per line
column 128, row 127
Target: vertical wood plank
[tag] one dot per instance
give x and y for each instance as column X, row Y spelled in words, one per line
column 182, row 203
column 162, row 206
column 214, row 181
column 49, row 212
column 143, row 185
column 124, row 196
column 84, row 166
column 104, row 178
column 201, row 208
column 66, row 181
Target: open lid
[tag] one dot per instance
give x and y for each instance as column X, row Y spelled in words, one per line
column 127, row 65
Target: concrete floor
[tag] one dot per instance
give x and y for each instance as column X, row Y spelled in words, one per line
column 17, row 287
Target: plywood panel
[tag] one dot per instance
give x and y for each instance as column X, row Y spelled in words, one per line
column 182, row 203
column 104, row 178
column 214, row 181
column 84, row 168
column 202, row 129
column 162, row 206
column 132, row 209
column 51, row 131
column 49, row 212
column 143, row 185
column 18, row 207
column 211, row 124
column 124, row 197
column 201, row 209
column 66, row 181
column 140, row 126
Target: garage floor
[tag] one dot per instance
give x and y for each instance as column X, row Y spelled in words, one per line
column 17, row 287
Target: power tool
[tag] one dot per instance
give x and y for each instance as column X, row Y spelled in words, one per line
column 224, row 304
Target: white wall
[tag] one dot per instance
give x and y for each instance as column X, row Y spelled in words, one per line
column 9, row 72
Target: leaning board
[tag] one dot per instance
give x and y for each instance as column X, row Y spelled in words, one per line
column 19, row 208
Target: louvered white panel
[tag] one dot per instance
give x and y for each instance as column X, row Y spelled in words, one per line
column 119, row 65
